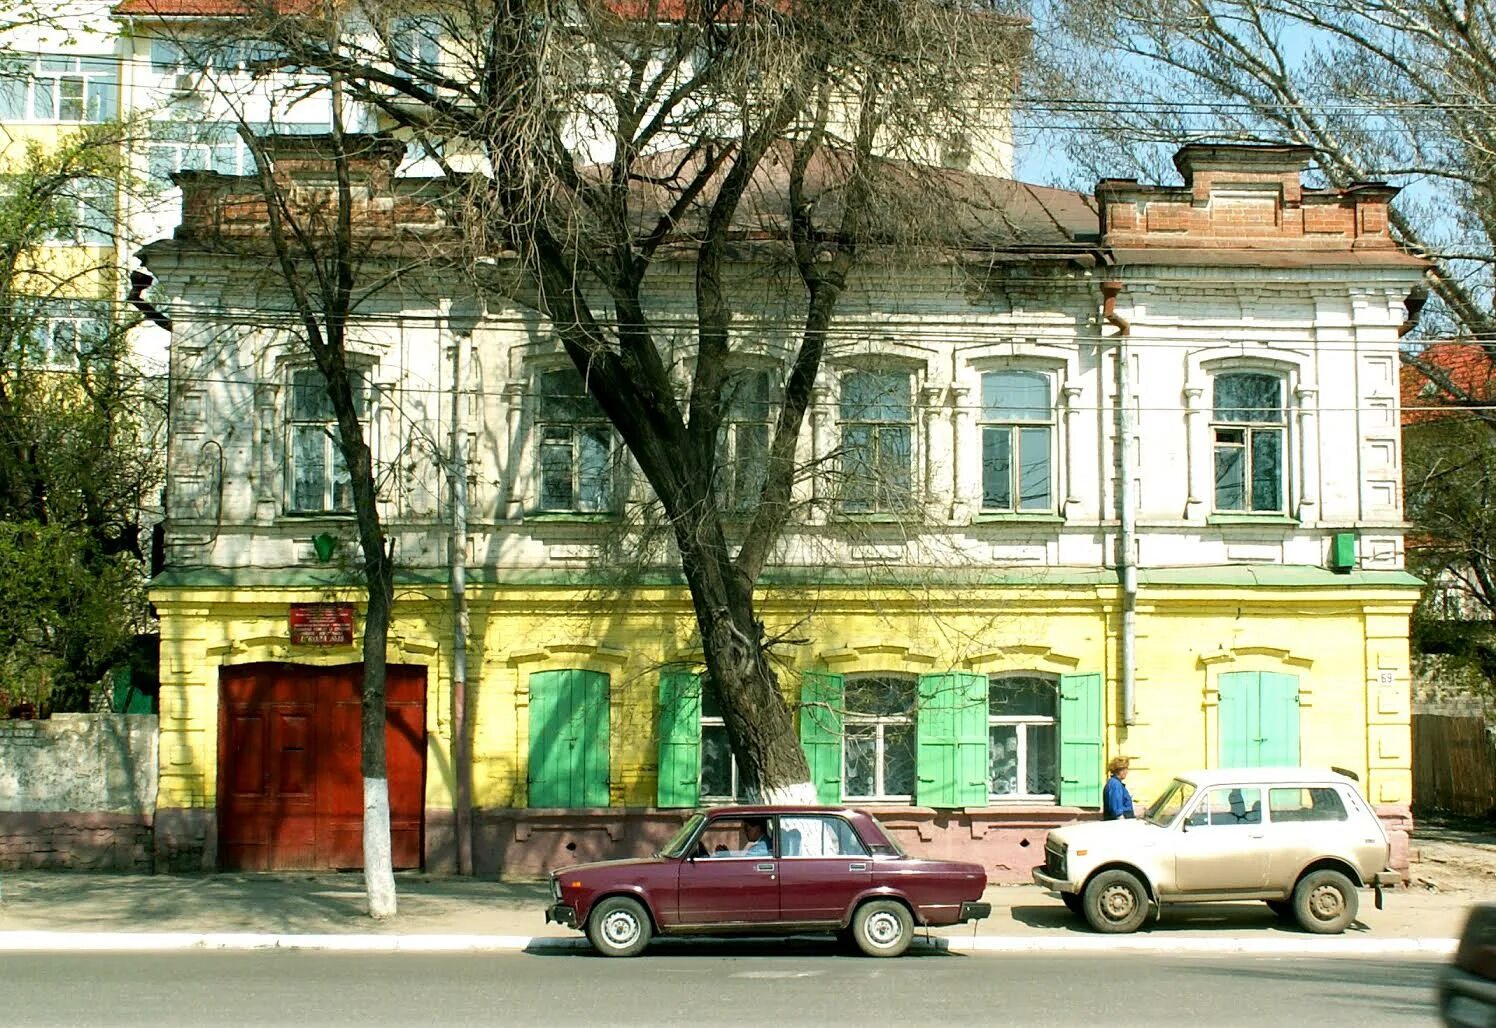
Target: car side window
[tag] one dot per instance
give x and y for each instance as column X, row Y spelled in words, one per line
column 1308, row 803
column 1227, row 807
column 819, row 835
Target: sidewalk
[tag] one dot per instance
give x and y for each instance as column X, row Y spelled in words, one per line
column 42, row 910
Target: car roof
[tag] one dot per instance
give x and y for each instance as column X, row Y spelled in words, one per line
column 779, row 808
column 1205, row 778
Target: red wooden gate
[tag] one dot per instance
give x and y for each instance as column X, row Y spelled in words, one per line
column 290, row 788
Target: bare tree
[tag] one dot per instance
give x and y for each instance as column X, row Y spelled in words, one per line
column 588, row 143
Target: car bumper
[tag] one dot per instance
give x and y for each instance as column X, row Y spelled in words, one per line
column 1044, row 881
column 1466, row 999
column 562, row 914
column 974, row 912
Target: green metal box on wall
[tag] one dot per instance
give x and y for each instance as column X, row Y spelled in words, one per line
column 1342, row 551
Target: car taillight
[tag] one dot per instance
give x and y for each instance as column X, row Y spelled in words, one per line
column 1477, row 952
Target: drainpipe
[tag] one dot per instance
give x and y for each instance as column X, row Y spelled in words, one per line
column 1126, row 515
column 457, row 560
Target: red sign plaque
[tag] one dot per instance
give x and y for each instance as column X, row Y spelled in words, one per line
column 321, row 624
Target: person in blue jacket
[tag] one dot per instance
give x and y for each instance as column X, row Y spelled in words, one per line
column 1116, row 801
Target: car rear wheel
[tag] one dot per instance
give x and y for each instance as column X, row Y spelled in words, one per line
column 619, row 927
column 1073, row 903
column 1115, row 902
column 883, row 928
column 1325, row 902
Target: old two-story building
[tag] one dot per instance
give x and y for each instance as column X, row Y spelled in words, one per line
column 1138, row 494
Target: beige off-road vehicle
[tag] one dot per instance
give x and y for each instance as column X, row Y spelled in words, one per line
column 1304, row 840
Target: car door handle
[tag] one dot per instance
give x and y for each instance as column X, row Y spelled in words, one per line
column 763, row 867
column 1255, row 835
column 856, row 867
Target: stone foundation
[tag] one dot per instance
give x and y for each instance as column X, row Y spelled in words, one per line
column 74, row 842
column 186, row 839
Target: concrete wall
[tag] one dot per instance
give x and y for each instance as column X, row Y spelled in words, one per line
column 78, row 791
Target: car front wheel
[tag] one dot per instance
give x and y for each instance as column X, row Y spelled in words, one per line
column 1325, row 902
column 883, row 928
column 1115, row 902
column 619, row 927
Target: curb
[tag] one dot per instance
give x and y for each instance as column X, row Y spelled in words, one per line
column 137, row 942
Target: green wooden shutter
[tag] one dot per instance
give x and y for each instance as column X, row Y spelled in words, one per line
column 1237, row 719
column 549, row 777
column 680, row 739
column 952, row 729
column 568, row 739
column 1258, row 719
column 590, row 694
column 1081, row 721
column 821, row 732
column 1278, row 720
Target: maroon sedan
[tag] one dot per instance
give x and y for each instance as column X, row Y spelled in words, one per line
column 769, row 871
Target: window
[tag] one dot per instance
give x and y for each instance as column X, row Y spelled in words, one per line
column 169, row 57
column 576, row 446
column 743, row 447
column 819, row 835
column 879, row 752
column 1017, row 428
column 1227, row 807
column 876, row 428
column 40, row 87
column 64, row 332
column 417, row 43
column 1022, row 738
column 319, row 477
column 719, row 769
column 1312, row 804
column 1249, row 427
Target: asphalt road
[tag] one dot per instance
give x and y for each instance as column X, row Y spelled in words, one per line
column 704, row 984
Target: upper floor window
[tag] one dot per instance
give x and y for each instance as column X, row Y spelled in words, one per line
column 1017, row 433
column 743, row 445
column 61, row 333
column 1248, row 425
column 319, row 476
column 879, row 747
column 877, row 427
column 49, row 87
column 1022, row 736
column 86, row 213
column 172, row 56
column 576, row 445
column 417, row 43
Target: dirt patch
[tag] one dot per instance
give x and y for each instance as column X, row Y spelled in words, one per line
column 1454, row 856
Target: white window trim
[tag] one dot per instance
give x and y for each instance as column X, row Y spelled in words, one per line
column 914, row 376
column 1020, row 773
column 737, row 786
column 617, row 484
column 1284, row 426
column 1053, row 423
column 369, row 421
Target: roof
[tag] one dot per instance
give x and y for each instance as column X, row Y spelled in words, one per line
column 1207, row 778
column 205, row 8
column 1469, row 367
column 1246, row 255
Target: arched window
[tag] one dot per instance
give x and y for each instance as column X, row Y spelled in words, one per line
column 1017, row 436
column 1249, row 426
column 879, row 749
column 1022, row 736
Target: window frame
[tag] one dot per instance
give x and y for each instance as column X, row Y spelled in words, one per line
column 1249, row 431
column 332, row 455
column 38, row 76
column 86, row 319
column 880, row 497
column 716, row 721
column 576, row 429
column 880, row 723
column 1015, row 427
column 739, row 480
column 1020, row 722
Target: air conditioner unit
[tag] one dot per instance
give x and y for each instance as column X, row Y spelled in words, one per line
column 183, row 83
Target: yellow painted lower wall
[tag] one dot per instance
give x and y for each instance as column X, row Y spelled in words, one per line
column 1347, row 647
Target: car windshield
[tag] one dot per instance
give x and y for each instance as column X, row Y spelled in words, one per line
column 1167, row 807
column 677, row 845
